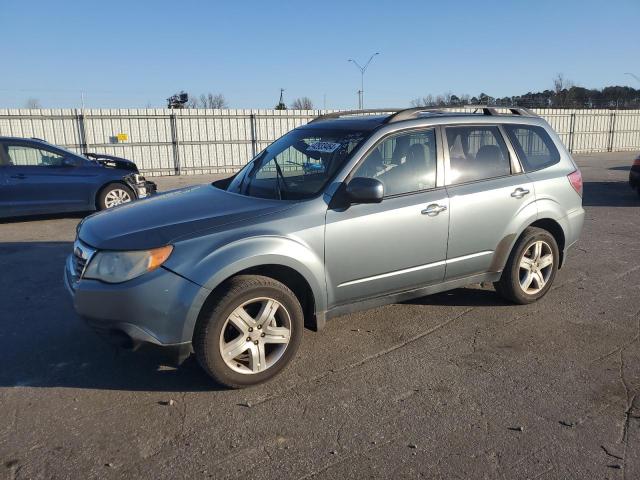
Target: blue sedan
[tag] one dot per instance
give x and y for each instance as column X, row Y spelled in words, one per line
column 37, row 178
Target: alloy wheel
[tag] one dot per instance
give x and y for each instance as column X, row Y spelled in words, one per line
column 536, row 267
column 117, row 196
column 255, row 335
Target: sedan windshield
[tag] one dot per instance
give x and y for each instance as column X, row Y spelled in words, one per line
column 298, row 165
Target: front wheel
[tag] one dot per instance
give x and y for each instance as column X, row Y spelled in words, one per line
column 531, row 267
column 249, row 331
column 113, row 195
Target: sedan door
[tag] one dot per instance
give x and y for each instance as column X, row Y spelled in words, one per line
column 400, row 243
column 489, row 197
column 44, row 180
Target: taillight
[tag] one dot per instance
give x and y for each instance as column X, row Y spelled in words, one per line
column 636, row 162
column 575, row 179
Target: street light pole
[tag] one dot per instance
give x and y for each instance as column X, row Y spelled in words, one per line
column 634, row 76
column 362, row 72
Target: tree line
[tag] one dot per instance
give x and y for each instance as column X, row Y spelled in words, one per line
column 563, row 94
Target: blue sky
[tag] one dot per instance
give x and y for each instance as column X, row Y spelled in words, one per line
column 137, row 53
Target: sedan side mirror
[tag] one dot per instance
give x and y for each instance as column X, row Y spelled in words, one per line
column 365, row 190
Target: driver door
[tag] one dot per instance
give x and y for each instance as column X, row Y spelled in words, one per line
column 400, row 243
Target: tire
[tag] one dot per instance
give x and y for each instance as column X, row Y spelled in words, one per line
column 114, row 194
column 254, row 353
column 513, row 283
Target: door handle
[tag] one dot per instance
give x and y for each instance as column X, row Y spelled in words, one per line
column 519, row 192
column 433, row 209
column 21, row 176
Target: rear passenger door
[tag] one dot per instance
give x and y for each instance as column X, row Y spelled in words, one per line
column 489, row 197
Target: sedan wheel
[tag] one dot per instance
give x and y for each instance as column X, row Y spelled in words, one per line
column 117, row 196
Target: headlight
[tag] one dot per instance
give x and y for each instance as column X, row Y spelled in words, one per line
column 117, row 267
column 136, row 178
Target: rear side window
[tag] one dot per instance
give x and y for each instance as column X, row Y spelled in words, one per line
column 533, row 145
column 476, row 153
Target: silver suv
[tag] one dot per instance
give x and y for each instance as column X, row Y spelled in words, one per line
column 345, row 213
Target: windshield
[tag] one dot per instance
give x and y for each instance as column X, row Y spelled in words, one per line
column 298, row 165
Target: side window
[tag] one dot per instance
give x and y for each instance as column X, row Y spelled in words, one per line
column 404, row 163
column 476, row 153
column 533, row 145
column 22, row 156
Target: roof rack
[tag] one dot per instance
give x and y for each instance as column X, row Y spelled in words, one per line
column 345, row 113
column 398, row 115
column 411, row 113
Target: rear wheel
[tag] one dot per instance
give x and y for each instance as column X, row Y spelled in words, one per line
column 249, row 332
column 113, row 195
column 531, row 267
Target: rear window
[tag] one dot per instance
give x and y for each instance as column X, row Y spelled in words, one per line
column 533, row 145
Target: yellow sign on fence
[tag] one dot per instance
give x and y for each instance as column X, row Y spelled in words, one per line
column 122, row 137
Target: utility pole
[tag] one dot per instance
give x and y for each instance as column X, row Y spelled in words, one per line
column 633, row 75
column 362, row 72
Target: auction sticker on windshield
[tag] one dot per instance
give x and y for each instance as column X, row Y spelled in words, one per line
column 323, row 147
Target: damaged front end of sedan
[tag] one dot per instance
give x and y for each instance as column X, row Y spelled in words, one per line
column 135, row 180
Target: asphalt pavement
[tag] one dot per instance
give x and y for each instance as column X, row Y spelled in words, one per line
column 455, row 385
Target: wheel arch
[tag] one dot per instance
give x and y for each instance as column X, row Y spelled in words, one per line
column 556, row 230
column 289, row 277
column 505, row 247
column 288, row 262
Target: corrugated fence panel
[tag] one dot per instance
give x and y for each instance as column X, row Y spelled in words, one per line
column 59, row 126
column 149, row 142
column 626, row 131
column 167, row 142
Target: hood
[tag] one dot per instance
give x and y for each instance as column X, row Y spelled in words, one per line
column 109, row 161
column 160, row 220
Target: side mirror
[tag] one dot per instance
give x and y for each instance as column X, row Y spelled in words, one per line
column 365, row 190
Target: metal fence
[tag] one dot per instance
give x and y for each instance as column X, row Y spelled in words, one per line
column 170, row 142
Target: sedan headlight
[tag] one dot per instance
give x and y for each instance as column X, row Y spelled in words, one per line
column 117, row 267
column 137, row 178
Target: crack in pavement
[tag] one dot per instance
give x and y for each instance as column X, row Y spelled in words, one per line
column 610, row 454
column 622, row 347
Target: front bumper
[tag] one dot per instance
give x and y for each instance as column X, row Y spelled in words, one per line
column 145, row 189
column 157, row 308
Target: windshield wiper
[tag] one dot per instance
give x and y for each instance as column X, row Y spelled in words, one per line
column 279, row 176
